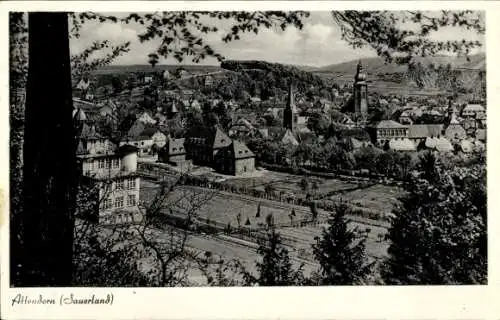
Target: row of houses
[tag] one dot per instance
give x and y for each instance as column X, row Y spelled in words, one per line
column 404, row 137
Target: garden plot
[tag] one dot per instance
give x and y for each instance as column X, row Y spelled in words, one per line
column 377, row 197
column 223, row 207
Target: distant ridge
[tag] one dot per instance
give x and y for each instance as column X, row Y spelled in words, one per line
column 377, row 65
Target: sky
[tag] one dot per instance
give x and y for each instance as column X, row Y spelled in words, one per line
column 318, row 44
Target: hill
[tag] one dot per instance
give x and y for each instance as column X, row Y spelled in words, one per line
column 120, row 69
column 377, row 65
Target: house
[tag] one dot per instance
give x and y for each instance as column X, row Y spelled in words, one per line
column 143, row 143
column 470, row 125
column 419, row 132
column 146, row 118
column 439, row 144
column 356, row 144
column 195, row 105
column 235, row 159
column 386, row 130
column 148, row 79
column 347, row 122
column 174, row 151
column 455, row 132
column 83, row 84
column 160, row 118
column 405, row 117
column 109, row 175
column 473, row 111
column 166, row 75
column 481, row 135
column 239, row 130
column 402, row 144
column 209, row 81
column 147, row 140
column 203, row 143
column 255, row 100
column 289, row 138
column 263, row 133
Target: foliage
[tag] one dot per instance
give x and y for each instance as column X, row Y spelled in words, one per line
column 318, row 123
column 384, row 31
column 341, row 252
column 438, row 234
column 276, row 268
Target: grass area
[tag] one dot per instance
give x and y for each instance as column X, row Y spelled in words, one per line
column 377, row 197
column 289, row 183
column 305, row 237
column 222, row 208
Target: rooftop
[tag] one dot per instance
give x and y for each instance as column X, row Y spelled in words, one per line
column 389, row 124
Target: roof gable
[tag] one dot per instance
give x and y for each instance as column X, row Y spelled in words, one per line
column 220, row 139
column 240, row 150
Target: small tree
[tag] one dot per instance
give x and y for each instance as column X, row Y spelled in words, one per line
column 258, row 211
column 315, row 186
column 314, row 210
column 238, row 220
column 341, row 252
column 292, row 216
column 270, row 220
column 269, row 188
column 276, row 268
column 304, row 184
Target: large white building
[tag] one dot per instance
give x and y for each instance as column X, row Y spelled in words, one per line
column 110, row 175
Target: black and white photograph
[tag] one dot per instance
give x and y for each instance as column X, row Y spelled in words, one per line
column 247, row 148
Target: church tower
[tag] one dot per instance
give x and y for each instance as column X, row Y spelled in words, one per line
column 360, row 92
column 290, row 112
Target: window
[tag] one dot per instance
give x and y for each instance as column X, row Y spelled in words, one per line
column 131, row 200
column 116, row 163
column 119, row 185
column 101, row 163
column 108, row 163
column 108, row 204
column 131, row 184
column 119, row 202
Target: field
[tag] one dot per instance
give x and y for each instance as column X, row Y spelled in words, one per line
column 377, row 197
column 375, row 248
column 289, row 183
column 224, row 208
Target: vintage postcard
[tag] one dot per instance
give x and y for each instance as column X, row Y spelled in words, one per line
column 303, row 160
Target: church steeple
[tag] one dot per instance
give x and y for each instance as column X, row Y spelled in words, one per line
column 360, row 92
column 360, row 75
column 289, row 114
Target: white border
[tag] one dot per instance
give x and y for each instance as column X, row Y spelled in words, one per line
column 450, row 302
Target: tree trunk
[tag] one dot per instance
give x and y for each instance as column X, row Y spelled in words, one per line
column 49, row 156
